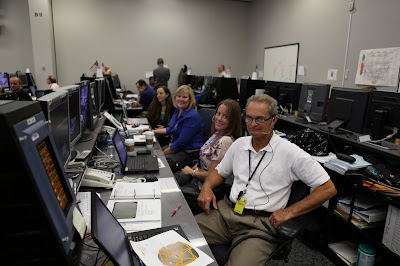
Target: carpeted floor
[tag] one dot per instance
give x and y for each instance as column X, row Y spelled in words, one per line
column 303, row 255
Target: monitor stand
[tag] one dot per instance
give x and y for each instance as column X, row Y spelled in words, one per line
column 85, row 137
column 334, row 127
column 304, row 120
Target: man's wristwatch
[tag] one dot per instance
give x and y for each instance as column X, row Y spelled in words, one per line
column 194, row 171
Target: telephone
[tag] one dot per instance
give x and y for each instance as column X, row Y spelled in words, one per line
column 98, row 178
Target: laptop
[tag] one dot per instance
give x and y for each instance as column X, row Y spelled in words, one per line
column 136, row 164
column 111, row 237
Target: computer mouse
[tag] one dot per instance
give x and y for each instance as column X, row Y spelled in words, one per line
column 150, row 178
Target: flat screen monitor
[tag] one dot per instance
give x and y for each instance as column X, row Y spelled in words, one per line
column 272, row 89
column 116, row 81
column 249, row 87
column 112, row 90
column 313, row 102
column 4, row 80
column 24, row 79
column 383, row 114
column 84, row 85
column 55, row 106
column 347, row 108
column 93, row 102
column 188, row 79
column 74, row 112
column 288, row 98
column 42, row 213
column 31, row 80
column 101, row 92
column 227, row 89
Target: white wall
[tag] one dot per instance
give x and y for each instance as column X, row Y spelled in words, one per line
column 15, row 37
column 321, row 29
column 129, row 36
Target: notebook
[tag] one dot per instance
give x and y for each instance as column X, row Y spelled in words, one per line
column 137, row 164
column 111, row 237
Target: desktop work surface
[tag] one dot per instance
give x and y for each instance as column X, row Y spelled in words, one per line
column 171, row 198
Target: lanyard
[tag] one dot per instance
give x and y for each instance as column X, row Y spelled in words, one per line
column 211, row 142
column 250, row 176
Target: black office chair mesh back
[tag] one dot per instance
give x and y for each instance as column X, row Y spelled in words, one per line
column 206, row 115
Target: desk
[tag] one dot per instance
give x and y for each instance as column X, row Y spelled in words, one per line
column 169, row 201
column 333, row 228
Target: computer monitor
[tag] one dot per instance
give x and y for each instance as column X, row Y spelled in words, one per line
column 347, row 108
column 272, row 89
column 93, row 103
column 248, row 88
column 188, row 79
column 313, row 102
column 226, row 89
column 37, row 200
column 383, row 114
column 85, row 116
column 74, row 94
column 116, row 81
column 55, row 107
column 288, row 98
column 4, row 80
column 24, row 79
column 101, row 92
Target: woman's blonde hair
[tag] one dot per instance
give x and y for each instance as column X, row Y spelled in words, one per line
column 185, row 89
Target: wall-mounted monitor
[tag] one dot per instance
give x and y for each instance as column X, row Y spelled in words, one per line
column 313, row 102
column 42, row 212
column 347, row 108
column 55, row 107
column 383, row 114
column 74, row 93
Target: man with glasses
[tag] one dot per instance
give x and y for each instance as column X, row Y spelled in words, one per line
column 264, row 167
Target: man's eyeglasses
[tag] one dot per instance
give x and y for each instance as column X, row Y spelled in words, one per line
column 259, row 120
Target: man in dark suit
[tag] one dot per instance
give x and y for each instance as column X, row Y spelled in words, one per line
column 161, row 74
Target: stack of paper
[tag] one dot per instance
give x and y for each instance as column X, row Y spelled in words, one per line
column 342, row 167
column 346, row 250
column 367, row 212
column 137, row 206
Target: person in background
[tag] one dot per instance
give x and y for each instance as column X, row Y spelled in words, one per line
column 264, row 167
column 160, row 112
column 145, row 95
column 185, row 127
column 161, row 74
column 151, row 83
column 18, row 94
column 226, row 128
column 107, row 71
column 51, row 80
column 221, row 71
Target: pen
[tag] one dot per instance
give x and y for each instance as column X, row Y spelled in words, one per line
column 177, row 208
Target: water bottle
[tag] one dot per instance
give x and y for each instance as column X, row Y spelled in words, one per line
column 374, row 173
column 110, row 147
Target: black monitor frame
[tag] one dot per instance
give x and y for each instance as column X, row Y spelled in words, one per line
column 101, row 89
column 313, row 102
column 55, row 106
column 226, row 89
column 347, row 109
column 289, row 94
column 6, row 77
column 93, row 105
column 74, row 93
column 248, row 88
column 24, row 79
column 272, row 89
column 383, row 114
column 84, row 87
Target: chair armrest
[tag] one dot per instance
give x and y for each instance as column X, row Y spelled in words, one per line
column 289, row 229
column 192, row 151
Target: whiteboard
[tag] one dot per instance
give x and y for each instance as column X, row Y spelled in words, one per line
column 280, row 62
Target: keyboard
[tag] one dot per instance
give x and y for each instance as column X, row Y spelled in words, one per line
column 142, row 235
column 138, row 163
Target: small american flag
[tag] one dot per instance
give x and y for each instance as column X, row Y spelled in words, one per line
column 95, row 67
column 102, row 67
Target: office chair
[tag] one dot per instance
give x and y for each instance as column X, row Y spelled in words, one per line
column 286, row 231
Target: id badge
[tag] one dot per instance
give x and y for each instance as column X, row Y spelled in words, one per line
column 239, row 207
